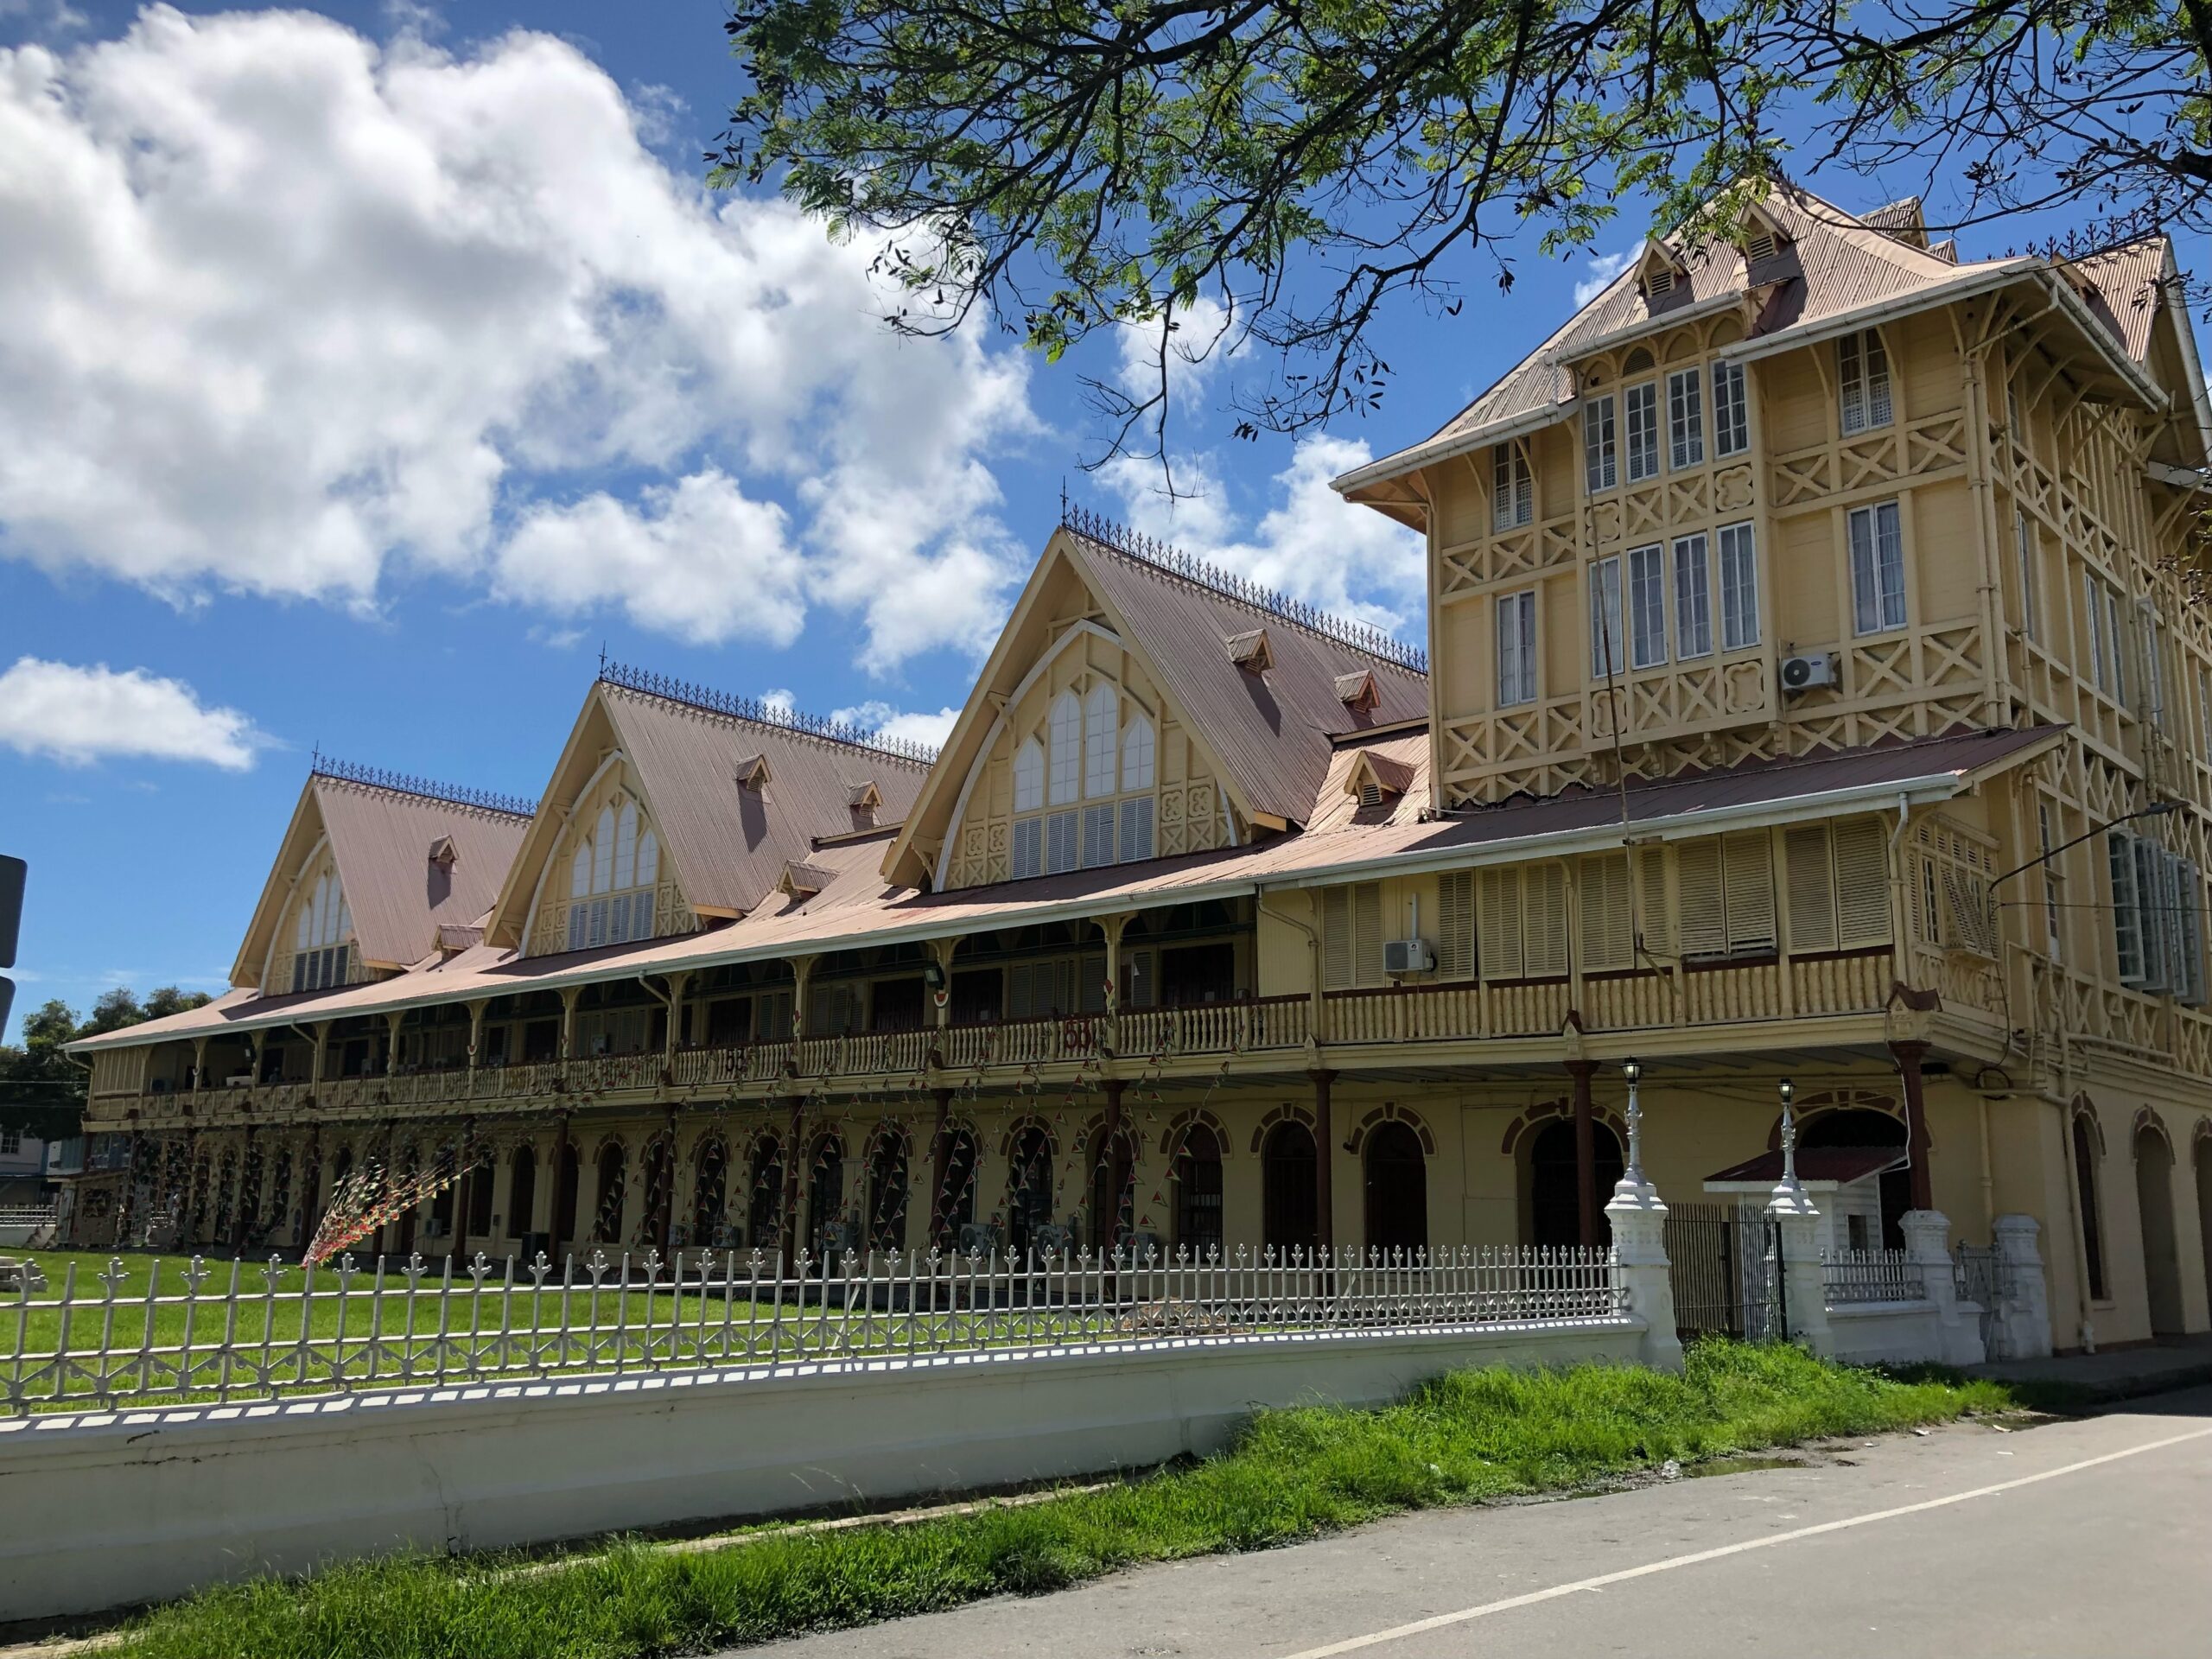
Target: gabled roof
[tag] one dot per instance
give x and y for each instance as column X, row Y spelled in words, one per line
column 727, row 845
column 1265, row 732
column 382, row 829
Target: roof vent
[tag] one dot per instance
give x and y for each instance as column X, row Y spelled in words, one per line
column 1251, row 651
column 1358, row 692
column 1377, row 779
column 803, row 880
column 1761, row 245
column 1660, row 279
column 752, row 772
column 442, row 854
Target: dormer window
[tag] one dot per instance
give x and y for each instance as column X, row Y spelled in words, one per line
column 1358, row 692
column 442, row 854
column 803, row 880
column 1659, row 280
column 613, row 878
column 752, row 772
column 1251, row 651
column 866, row 800
column 1378, row 780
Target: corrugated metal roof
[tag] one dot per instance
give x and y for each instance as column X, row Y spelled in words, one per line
column 856, row 907
column 1269, row 731
column 730, row 844
column 2128, row 290
column 381, row 839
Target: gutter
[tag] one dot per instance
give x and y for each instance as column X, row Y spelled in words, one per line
column 1408, row 461
column 1711, row 305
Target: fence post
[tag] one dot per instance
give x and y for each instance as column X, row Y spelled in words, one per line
column 1639, row 1222
column 2023, row 1323
column 1797, row 1236
column 1928, row 1244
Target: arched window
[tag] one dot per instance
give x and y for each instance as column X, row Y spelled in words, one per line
column 764, row 1210
column 1197, row 1193
column 955, row 1198
column 1554, row 1203
column 522, row 1193
column 1137, row 748
column 1029, row 1188
column 1067, row 748
column 612, row 875
column 1861, row 1127
column 602, row 852
column 1113, row 1214
column 707, row 1200
column 321, row 951
column 648, row 859
column 1288, row 1169
column 1100, row 712
column 825, row 1196
column 625, row 847
column 567, row 1180
column 607, row 1222
column 579, row 871
column 1397, row 1189
column 2091, row 1210
column 887, row 1192
column 1029, row 776
column 2154, row 1204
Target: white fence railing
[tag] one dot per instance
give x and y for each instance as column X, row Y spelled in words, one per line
column 250, row 1333
column 27, row 1214
column 1849, row 1276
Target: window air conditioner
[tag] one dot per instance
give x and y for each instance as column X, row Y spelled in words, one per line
column 1807, row 673
column 1408, row 957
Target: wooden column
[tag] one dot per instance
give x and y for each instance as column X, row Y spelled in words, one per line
column 1908, row 1055
column 940, row 1165
column 1585, row 1151
column 1325, row 1139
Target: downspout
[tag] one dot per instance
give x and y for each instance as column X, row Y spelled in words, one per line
column 1313, row 951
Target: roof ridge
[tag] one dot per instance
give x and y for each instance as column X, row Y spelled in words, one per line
column 401, row 783
column 773, row 717
column 1267, row 603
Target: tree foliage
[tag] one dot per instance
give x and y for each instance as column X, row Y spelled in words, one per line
column 39, row 1058
column 1304, row 164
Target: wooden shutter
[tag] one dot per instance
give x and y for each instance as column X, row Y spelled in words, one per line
column 1655, row 916
column 1544, row 920
column 1367, row 932
column 1608, row 914
column 1862, row 883
column 1812, row 888
column 1499, row 937
column 1336, row 938
column 1455, row 925
column 1701, row 914
column 1747, row 869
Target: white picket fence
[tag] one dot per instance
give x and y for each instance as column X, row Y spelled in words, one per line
column 246, row 1331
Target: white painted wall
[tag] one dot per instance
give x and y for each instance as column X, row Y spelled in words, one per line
column 140, row 1506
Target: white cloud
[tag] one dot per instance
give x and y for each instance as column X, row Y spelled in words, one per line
column 77, row 716
column 778, row 704
column 1604, row 268
column 1310, row 543
column 907, row 725
column 291, row 313
column 1197, row 344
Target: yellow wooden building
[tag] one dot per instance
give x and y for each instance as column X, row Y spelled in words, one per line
column 1816, row 688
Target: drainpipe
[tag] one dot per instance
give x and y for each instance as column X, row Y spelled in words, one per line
column 1313, row 951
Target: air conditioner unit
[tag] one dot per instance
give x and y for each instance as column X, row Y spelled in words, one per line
column 1807, row 673
column 1408, row 957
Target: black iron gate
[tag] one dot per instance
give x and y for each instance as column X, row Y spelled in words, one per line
column 1722, row 1266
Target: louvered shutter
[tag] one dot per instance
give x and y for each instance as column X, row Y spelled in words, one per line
column 1544, row 922
column 1336, row 938
column 1367, row 927
column 1701, row 917
column 1455, row 925
column 1747, row 864
column 1655, row 915
column 1812, row 888
column 1498, row 938
column 1862, row 883
column 1608, row 916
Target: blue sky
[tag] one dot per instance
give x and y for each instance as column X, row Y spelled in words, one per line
column 363, row 374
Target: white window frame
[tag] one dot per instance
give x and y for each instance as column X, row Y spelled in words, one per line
column 1601, row 468
column 1513, row 488
column 1692, row 572
column 1516, row 648
column 1606, row 630
column 1642, row 407
column 1862, row 365
column 1878, row 579
column 1645, row 591
column 1738, row 566
column 1686, row 419
column 2127, row 909
column 1731, row 419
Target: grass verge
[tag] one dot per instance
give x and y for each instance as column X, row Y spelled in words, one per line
column 1464, row 1438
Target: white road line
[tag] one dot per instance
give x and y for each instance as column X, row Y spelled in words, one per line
column 1441, row 1621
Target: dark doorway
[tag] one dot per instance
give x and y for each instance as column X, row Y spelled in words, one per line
column 1555, row 1202
column 1029, row 1189
column 522, row 1193
column 1290, row 1219
column 1197, row 1193
column 886, row 1192
column 1397, row 1189
column 956, row 1197
column 479, row 1218
column 566, row 1183
column 1194, row 974
column 1857, row 1126
column 607, row 1216
column 895, row 1005
column 707, row 1193
column 825, row 1192
column 541, row 1041
column 660, row 1194
column 1112, row 1215
column 764, row 1208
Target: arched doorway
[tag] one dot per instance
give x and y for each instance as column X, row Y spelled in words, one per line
column 825, row 1192
column 764, row 1205
column 1397, row 1188
column 1555, row 1199
column 955, row 1200
column 1029, row 1189
column 1112, row 1214
column 568, row 1181
column 522, row 1192
column 660, row 1194
column 886, row 1191
column 708, row 1188
column 1289, row 1217
column 1197, row 1193
column 1861, row 1127
column 2087, row 1188
column 606, row 1212
column 2154, row 1198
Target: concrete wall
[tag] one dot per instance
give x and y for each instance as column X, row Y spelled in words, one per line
column 140, row 1506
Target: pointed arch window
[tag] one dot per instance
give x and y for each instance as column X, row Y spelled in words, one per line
column 322, row 934
column 1084, row 751
column 1101, row 711
column 614, row 875
column 1067, row 748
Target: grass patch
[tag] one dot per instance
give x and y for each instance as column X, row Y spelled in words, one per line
column 1464, row 1438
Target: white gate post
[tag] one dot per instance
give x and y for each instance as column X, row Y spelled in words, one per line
column 1928, row 1243
column 1797, row 1236
column 2023, row 1324
column 1639, row 1223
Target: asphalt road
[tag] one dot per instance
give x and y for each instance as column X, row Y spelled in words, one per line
column 2090, row 1537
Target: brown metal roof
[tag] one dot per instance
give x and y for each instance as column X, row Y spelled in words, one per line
column 2127, row 289
column 1269, row 731
column 730, row 844
column 381, row 839
column 856, row 907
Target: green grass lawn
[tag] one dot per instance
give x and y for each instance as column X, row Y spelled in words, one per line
column 1293, row 1474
